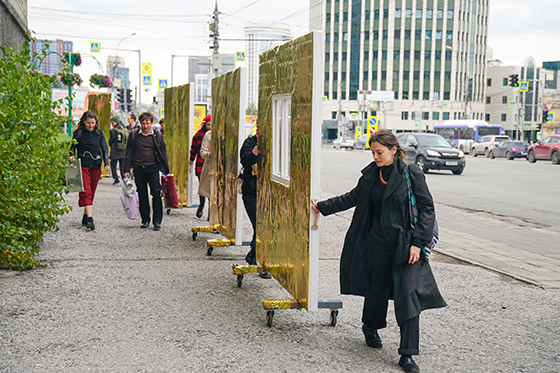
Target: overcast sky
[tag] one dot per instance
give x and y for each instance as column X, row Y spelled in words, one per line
column 517, row 29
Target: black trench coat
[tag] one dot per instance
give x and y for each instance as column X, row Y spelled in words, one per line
column 414, row 286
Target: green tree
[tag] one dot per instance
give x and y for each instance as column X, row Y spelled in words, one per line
column 32, row 158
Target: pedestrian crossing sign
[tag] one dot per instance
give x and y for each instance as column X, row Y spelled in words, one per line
column 147, row 68
column 94, row 47
column 162, row 83
column 240, row 56
column 161, row 113
column 524, row 86
column 146, row 80
column 512, row 104
column 445, row 105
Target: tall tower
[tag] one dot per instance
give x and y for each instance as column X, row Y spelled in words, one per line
column 430, row 53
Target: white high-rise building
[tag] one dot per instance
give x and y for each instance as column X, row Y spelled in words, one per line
column 430, row 53
column 259, row 39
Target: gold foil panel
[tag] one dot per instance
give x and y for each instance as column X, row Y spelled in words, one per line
column 100, row 104
column 177, row 137
column 274, row 304
column 219, row 242
column 207, row 229
column 225, row 154
column 283, row 212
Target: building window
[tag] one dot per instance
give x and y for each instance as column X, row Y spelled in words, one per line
column 426, row 75
column 504, row 100
column 334, row 76
column 406, row 75
column 406, row 55
column 446, row 95
column 448, row 55
column 427, row 55
column 397, row 13
column 425, row 115
column 417, row 34
column 383, row 55
column 405, row 95
column 438, row 35
column 449, row 35
column 397, row 34
column 429, row 14
column 374, row 75
column 489, row 82
column 385, row 13
column 408, row 13
column 397, row 55
column 326, row 77
column 343, row 75
column 438, row 55
column 328, row 38
column 336, row 37
column 396, row 76
column 384, row 75
column 435, row 115
column 385, row 34
column 366, row 55
column 375, row 55
column 328, row 17
column 504, row 117
column 345, row 16
column 416, row 76
column 367, row 15
column 343, row 95
column 335, row 56
column 450, row 14
column 344, row 56
column 426, row 96
column 376, row 35
column 437, row 76
column 366, row 36
column 365, row 75
column 407, row 34
column 439, row 14
column 404, row 115
column 428, row 34
column 333, row 114
column 281, row 138
column 488, row 99
column 345, row 36
column 505, row 82
column 327, row 57
column 418, row 13
column 376, row 14
column 445, row 116
column 336, row 17
column 416, row 55
column 487, row 117
column 335, row 95
column 415, row 95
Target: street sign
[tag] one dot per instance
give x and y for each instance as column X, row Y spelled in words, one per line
column 325, row 98
column 162, row 83
column 373, row 121
column 416, row 125
column 354, row 116
column 161, row 113
column 358, row 132
column 240, row 56
column 147, row 68
column 523, row 86
column 512, row 104
column 539, row 136
column 146, row 80
column 445, row 105
column 94, row 47
column 548, row 106
column 550, row 117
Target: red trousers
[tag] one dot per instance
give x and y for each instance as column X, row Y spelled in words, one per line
column 90, row 177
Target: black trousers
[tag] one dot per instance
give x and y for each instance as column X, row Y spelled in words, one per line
column 380, row 262
column 114, row 168
column 250, row 203
column 144, row 177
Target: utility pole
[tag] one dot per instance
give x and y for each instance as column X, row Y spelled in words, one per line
column 215, row 33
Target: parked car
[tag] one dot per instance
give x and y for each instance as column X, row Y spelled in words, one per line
column 431, row 152
column 340, row 143
column 361, row 142
column 547, row 149
column 483, row 145
column 509, row 149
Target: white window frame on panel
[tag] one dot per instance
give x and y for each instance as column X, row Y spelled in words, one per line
column 281, row 138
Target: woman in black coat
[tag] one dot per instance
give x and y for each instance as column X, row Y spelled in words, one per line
column 382, row 257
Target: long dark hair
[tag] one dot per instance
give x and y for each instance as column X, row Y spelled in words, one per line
column 88, row 115
column 387, row 139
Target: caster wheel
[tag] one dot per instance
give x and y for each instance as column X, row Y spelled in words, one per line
column 334, row 315
column 194, row 236
column 168, row 211
column 239, row 280
column 269, row 317
column 209, row 252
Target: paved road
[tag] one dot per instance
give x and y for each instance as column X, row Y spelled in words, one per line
column 503, row 215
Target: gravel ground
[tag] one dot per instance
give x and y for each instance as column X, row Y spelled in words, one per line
column 125, row 299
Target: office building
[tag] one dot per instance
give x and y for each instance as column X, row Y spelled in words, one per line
column 430, row 53
column 51, row 64
column 200, row 73
column 118, row 72
column 259, row 39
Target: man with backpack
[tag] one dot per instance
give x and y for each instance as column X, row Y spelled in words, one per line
column 118, row 138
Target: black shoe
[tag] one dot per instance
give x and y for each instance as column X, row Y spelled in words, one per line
column 372, row 337
column 115, row 182
column 90, row 224
column 145, row 224
column 265, row 274
column 157, row 226
column 250, row 259
column 408, row 365
column 199, row 211
column 84, row 219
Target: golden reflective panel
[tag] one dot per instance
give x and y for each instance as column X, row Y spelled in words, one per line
column 177, row 137
column 225, row 153
column 283, row 211
column 100, row 104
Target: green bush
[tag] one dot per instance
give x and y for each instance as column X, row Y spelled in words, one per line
column 32, row 159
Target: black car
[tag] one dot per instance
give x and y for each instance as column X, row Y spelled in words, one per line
column 509, row 149
column 431, row 152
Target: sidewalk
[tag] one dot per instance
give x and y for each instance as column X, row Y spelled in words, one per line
column 125, row 299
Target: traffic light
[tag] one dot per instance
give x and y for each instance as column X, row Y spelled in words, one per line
column 154, row 101
column 514, row 80
column 120, row 97
column 129, row 95
column 129, row 106
column 545, row 116
column 539, row 126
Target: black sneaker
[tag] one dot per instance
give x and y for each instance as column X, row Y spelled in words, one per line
column 157, row 226
column 145, row 224
column 90, row 224
column 408, row 365
column 115, row 182
column 84, row 219
column 250, row 259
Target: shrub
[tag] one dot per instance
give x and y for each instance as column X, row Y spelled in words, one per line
column 32, row 159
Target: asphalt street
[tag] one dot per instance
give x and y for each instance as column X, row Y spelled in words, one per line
column 125, row 299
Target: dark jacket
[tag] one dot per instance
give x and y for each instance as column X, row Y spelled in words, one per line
column 249, row 162
column 115, row 153
column 414, row 286
column 92, row 153
column 161, row 151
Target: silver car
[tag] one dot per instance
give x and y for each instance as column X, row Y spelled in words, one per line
column 483, row 145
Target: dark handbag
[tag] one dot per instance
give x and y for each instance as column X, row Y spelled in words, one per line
column 413, row 211
column 94, row 162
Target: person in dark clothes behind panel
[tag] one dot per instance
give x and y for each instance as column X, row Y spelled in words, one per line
column 91, row 148
column 381, row 258
column 147, row 153
column 195, row 155
column 117, row 143
column 248, row 155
